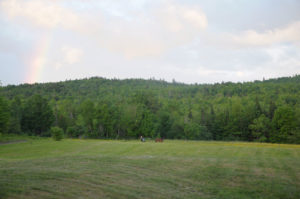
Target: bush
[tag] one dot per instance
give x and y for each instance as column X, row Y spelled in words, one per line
column 57, row 133
column 76, row 131
column 71, row 131
column 262, row 139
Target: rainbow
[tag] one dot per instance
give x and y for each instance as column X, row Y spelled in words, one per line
column 38, row 60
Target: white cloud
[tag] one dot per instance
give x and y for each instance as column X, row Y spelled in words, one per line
column 41, row 13
column 70, row 56
column 149, row 32
column 283, row 60
column 137, row 38
column 289, row 33
column 178, row 17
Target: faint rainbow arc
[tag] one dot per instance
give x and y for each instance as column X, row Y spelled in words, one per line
column 38, row 60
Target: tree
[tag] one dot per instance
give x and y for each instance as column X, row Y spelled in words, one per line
column 87, row 111
column 272, row 108
column 261, row 128
column 98, row 107
column 147, row 99
column 37, row 116
column 284, row 122
column 4, row 115
column 104, row 121
column 146, row 123
column 16, row 116
column 211, row 126
column 195, row 131
column 164, row 124
column 258, row 109
column 57, row 133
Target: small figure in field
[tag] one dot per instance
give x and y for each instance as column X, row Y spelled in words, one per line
column 159, row 140
column 142, row 139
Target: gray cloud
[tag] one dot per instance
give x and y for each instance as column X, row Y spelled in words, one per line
column 191, row 41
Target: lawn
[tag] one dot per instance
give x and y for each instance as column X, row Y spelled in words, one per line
column 44, row 168
column 8, row 138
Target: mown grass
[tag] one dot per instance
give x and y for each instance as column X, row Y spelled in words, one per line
column 131, row 169
column 7, row 138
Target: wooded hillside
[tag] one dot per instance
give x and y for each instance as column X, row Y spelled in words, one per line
column 267, row 111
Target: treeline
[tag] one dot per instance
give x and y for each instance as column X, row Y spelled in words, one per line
column 266, row 111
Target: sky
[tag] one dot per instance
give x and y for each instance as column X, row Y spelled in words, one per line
column 191, row 41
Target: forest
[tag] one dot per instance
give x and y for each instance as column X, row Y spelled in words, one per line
column 261, row 111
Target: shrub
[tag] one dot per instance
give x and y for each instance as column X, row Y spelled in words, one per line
column 76, row 131
column 57, row 133
column 71, row 131
column 262, row 139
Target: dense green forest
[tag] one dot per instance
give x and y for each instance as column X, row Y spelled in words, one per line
column 266, row 111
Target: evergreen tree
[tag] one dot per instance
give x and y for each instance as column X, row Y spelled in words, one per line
column 37, row 116
column 16, row 116
column 272, row 108
column 164, row 125
column 4, row 115
column 257, row 108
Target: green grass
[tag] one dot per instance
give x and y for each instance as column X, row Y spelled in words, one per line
column 130, row 169
column 6, row 138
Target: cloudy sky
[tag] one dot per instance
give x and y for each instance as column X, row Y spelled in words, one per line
column 191, row 41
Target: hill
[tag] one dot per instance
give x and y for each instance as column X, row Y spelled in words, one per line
column 265, row 111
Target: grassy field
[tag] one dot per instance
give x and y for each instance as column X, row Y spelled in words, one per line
column 130, row 169
column 7, row 138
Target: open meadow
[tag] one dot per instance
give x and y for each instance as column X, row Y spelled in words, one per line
column 74, row 168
